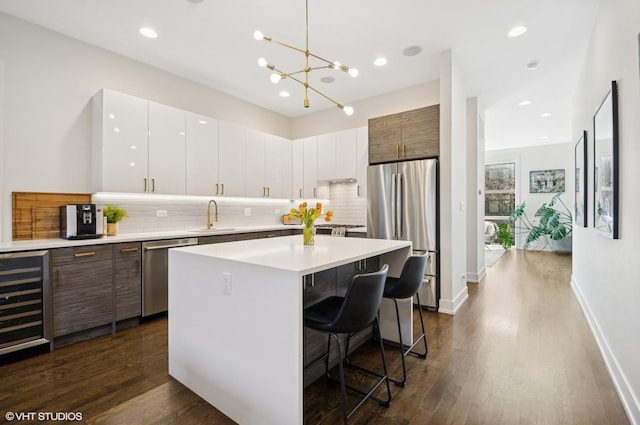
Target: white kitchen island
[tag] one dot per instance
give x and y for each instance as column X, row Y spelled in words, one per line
column 235, row 318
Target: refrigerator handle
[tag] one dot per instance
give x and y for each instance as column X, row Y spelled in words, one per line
column 400, row 205
column 394, row 204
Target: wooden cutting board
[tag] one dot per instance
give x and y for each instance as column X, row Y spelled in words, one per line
column 36, row 215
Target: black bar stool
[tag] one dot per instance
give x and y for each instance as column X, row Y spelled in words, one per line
column 406, row 286
column 354, row 312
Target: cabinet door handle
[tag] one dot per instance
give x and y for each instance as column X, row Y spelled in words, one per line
column 268, row 192
column 358, row 190
column 217, row 189
column 264, row 191
column 314, row 192
column 145, row 184
column 153, row 185
column 222, row 189
column 300, row 191
column 84, row 254
column 403, row 150
column 397, row 151
column 129, row 250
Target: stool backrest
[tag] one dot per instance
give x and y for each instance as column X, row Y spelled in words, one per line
column 361, row 302
column 411, row 277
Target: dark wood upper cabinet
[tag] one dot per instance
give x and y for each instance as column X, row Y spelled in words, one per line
column 407, row 135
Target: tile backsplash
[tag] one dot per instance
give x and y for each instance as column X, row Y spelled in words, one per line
column 154, row 213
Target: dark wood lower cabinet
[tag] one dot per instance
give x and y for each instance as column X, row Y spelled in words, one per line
column 82, row 288
column 128, row 280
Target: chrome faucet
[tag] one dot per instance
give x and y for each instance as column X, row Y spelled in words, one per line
column 209, row 223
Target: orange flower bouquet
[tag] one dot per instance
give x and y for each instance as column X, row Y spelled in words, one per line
column 307, row 216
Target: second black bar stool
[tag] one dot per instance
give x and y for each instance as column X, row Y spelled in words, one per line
column 406, row 286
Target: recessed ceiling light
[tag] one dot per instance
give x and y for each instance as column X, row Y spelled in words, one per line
column 284, row 93
column 546, row 114
column 203, row 122
column 533, row 64
column 327, row 80
column 524, row 103
column 412, row 51
column 148, row 32
column 380, row 62
column 544, row 137
column 517, row 31
column 195, row 1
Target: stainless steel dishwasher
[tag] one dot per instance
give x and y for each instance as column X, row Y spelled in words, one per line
column 155, row 270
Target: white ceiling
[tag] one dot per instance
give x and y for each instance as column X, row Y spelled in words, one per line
column 212, row 42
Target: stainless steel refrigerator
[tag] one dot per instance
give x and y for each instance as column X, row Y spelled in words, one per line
column 402, row 202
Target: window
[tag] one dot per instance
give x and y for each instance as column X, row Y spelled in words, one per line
column 499, row 189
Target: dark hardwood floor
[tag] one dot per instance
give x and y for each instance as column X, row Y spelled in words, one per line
column 518, row 352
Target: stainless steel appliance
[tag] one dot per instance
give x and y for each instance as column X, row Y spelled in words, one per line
column 402, row 202
column 81, row 221
column 155, row 270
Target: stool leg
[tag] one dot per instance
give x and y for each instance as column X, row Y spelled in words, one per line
column 384, row 364
column 424, row 335
column 404, row 369
column 342, row 383
column 326, row 360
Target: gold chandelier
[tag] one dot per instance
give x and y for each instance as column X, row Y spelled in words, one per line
column 279, row 74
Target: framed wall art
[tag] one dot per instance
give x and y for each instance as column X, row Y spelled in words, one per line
column 580, row 211
column 546, row 181
column 605, row 164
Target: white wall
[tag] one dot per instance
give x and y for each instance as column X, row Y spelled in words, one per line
column 605, row 276
column 545, row 157
column 453, row 161
column 475, row 191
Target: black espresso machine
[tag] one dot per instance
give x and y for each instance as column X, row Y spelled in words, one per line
column 81, row 221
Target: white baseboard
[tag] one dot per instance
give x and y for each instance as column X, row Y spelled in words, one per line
column 477, row 277
column 452, row 306
column 620, row 382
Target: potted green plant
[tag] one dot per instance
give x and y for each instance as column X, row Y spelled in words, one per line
column 113, row 214
column 549, row 223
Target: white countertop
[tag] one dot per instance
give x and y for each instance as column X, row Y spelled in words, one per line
column 32, row 245
column 289, row 253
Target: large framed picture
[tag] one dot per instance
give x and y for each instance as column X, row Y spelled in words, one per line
column 580, row 211
column 546, row 181
column 605, row 164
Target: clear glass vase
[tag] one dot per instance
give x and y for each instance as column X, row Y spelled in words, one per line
column 308, row 234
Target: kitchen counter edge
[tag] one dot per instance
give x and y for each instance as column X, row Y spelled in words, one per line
column 39, row 244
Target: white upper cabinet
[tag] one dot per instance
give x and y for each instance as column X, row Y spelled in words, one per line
column 278, row 167
column 327, row 156
column 256, row 186
column 167, row 133
column 232, row 159
column 297, row 168
column 120, row 138
column 201, row 154
column 268, row 165
column 138, row 146
column 362, row 160
column 337, row 156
